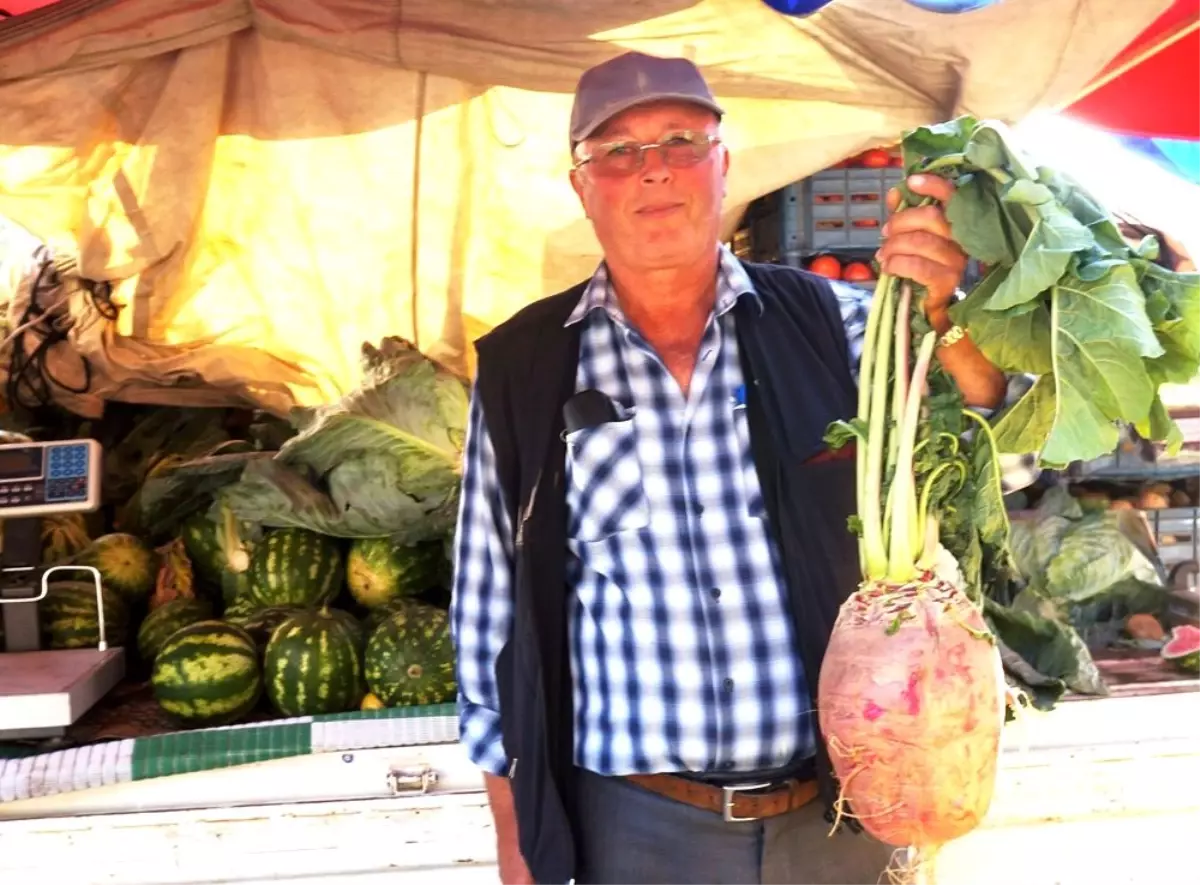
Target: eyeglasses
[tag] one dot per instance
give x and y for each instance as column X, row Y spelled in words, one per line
column 678, row 150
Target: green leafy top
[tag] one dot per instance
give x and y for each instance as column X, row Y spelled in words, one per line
column 383, row 461
column 1066, row 299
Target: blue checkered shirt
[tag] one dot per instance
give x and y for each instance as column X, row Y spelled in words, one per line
column 681, row 645
column 682, row 649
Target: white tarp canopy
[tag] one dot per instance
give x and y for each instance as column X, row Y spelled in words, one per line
column 269, row 183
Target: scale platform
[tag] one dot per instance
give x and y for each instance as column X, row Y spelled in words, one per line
column 44, row 692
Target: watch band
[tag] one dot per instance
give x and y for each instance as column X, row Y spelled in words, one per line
column 954, row 334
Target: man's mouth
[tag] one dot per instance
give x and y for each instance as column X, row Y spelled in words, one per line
column 658, row 210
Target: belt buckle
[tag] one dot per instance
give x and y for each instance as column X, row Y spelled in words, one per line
column 730, row 792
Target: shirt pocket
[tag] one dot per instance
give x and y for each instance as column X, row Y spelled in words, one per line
column 745, row 467
column 608, row 494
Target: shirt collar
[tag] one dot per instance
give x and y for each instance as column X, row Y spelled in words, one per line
column 732, row 283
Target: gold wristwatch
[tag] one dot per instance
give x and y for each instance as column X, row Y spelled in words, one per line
column 954, row 334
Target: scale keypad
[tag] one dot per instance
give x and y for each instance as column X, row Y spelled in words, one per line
column 66, row 474
column 17, row 493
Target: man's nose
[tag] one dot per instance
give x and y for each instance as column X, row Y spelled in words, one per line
column 654, row 168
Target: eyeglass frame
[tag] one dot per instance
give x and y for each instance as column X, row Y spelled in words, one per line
column 707, row 140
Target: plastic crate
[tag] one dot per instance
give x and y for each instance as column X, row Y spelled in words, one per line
column 836, row 209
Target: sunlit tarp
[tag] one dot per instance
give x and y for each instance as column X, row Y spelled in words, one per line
column 280, row 180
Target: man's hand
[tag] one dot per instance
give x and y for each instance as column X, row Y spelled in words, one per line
column 917, row 244
column 513, row 870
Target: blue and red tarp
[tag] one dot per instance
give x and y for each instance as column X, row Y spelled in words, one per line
column 1178, row 156
column 1151, row 90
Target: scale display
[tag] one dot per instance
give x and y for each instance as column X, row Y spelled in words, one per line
column 53, row 477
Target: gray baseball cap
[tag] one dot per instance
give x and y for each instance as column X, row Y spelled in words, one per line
column 630, row 80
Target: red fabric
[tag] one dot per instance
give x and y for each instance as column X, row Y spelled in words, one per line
column 1160, row 96
column 18, row 7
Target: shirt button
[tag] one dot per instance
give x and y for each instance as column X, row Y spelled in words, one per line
column 727, row 685
column 699, row 507
column 716, row 592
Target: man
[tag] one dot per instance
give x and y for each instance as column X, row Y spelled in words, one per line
column 652, row 543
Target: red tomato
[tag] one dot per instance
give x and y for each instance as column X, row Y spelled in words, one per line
column 876, row 158
column 858, row 272
column 826, row 266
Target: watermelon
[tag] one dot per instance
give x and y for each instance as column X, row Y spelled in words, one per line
column 260, row 623
column 69, row 618
column 203, row 545
column 312, row 664
column 202, row 537
column 409, row 659
column 296, row 567
column 235, row 586
column 1182, row 650
column 376, row 616
column 163, row 622
column 379, row 570
column 207, row 674
column 126, row 563
column 241, row 610
column 63, row 536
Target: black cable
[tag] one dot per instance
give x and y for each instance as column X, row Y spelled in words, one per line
column 29, row 378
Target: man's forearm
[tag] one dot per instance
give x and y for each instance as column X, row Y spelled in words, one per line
column 981, row 383
column 500, row 798
column 513, row 869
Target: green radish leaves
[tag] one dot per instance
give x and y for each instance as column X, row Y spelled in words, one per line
column 1066, row 298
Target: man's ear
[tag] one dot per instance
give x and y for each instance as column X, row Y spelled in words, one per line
column 724, row 170
column 577, row 186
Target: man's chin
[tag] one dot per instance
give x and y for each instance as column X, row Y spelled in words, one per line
column 671, row 258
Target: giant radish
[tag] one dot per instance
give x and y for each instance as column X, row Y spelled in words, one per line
column 911, row 693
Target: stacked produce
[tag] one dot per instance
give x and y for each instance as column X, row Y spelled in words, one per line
column 912, row 697
column 254, row 567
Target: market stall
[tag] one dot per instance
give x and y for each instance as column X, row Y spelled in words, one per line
column 234, row 535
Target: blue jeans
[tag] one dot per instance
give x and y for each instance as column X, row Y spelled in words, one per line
column 630, row 835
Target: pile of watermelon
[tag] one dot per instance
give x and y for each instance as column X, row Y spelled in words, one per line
column 294, row 624
column 255, row 564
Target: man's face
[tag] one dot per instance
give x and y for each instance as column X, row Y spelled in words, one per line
column 662, row 215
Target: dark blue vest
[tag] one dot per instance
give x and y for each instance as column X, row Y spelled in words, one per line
column 798, row 380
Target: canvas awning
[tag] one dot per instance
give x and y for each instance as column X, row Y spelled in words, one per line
column 269, row 183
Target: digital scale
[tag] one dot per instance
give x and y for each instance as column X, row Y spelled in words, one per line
column 43, row 691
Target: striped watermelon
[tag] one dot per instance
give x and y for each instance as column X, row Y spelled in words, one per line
column 379, row 570
column 126, row 563
column 312, row 664
column 240, row 610
column 376, row 616
column 296, row 567
column 409, row 659
column 234, row 586
column 69, row 618
column 260, row 623
column 202, row 538
column 207, row 674
column 203, row 545
column 163, row 622
column 63, row 536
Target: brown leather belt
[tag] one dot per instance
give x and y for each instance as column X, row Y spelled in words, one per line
column 734, row 802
